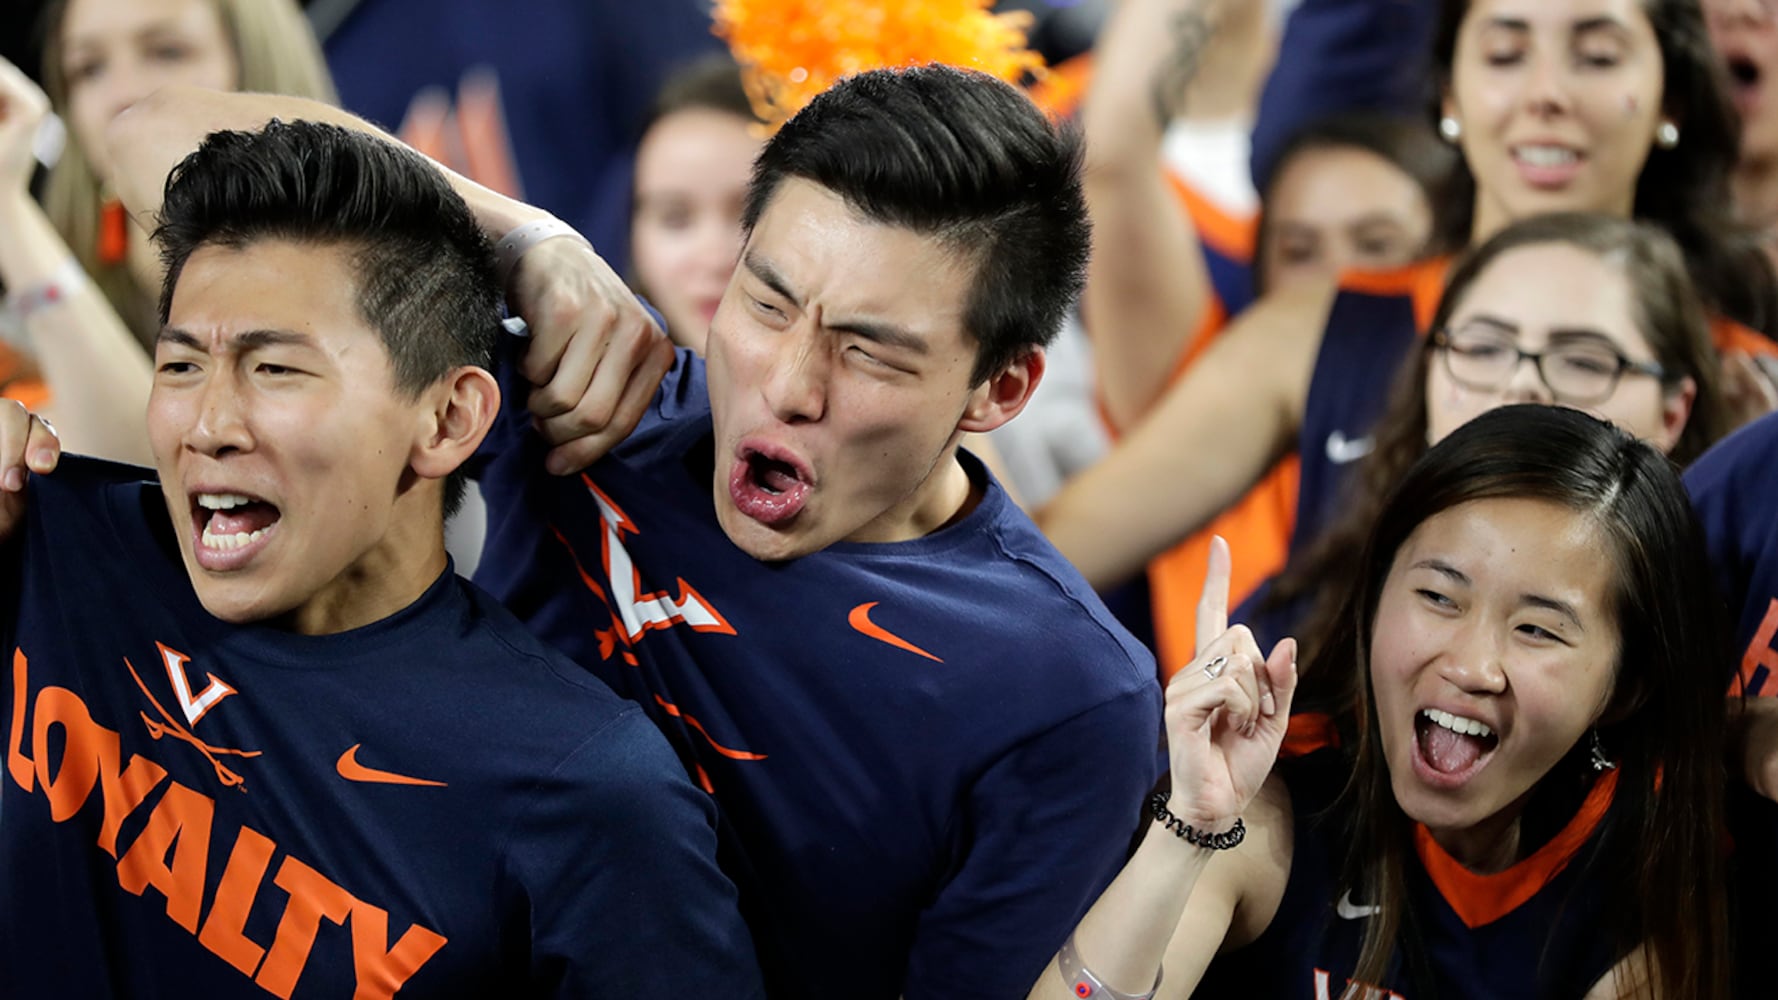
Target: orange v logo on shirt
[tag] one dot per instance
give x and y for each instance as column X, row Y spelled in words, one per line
column 194, row 708
column 859, row 619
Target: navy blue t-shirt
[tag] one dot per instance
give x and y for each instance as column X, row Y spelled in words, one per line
column 1539, row 929
column 433, row 803
column 1732, row 487
column 929, row 755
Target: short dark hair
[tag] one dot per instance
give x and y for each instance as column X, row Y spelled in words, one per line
column 425, row 270
column 962, row 157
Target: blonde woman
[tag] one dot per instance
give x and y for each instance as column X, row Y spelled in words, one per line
column 81, row 277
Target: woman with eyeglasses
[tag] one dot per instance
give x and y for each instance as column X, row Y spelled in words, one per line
column 1586, row 311
column 1618, row 107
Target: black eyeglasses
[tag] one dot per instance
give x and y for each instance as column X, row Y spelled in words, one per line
column 1580, row 372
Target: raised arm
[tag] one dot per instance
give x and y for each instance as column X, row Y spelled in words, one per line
column 595, row 355
column 1212, row 436
column 1226, row 716
column 98, row 376
column 1148, row 289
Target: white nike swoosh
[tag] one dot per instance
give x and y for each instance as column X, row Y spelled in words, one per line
column 1347, row 911
column 1341, row 449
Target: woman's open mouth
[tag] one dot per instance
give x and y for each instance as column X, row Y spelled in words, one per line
column 1451, row 749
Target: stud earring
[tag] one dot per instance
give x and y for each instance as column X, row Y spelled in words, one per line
column 1666, row 135
column 1450, row 129
column 1600, row 761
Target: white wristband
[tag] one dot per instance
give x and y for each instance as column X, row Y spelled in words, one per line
column 516, row 244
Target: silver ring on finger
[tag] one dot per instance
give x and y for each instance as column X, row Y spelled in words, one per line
column 1215, row 667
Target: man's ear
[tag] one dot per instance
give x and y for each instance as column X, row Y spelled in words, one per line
column 461, row 409
column 1004, row 394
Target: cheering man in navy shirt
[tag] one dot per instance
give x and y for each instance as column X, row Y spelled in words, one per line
column 927, row 740
column 260, row 739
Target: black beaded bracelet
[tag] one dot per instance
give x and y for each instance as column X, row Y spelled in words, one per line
column 1157, row 807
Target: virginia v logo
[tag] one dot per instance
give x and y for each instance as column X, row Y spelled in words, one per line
column 194, row 708
column 640, row 612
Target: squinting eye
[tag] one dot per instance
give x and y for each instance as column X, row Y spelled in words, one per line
column 1434, row 597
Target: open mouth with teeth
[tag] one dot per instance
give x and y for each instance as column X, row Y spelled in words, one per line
column 770, row 489
column 1547, row 165
column 1452, row 746
column 229, row 525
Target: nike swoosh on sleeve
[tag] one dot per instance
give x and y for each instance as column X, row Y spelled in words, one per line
column 1342, row 449
column 1350, row 911
column 351, row 770
column 860, row 619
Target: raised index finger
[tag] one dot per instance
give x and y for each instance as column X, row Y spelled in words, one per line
column 1213, row 606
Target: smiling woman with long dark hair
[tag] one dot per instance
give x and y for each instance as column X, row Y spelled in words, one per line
column 1522, row 794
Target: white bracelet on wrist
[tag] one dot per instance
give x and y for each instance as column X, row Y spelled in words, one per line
column 516, row 244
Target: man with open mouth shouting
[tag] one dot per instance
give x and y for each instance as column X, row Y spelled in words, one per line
column 921, row 726
column 255, row 695
column 926, row 738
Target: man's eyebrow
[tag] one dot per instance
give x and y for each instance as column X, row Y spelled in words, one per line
column 766, row 273
column 247, row 340
column 886, row 334
column 877, row 332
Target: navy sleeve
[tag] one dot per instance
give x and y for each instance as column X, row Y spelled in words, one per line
column 617, row 857
column 1344, row 55
column 1050, row 826
column 1731, row 488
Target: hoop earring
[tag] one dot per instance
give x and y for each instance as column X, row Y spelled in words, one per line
column 1450, row 129
column 1667, row 135
column 1600, row 762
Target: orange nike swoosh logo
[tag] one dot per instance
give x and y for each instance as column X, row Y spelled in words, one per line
column 351, row 770
column 860, row 620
